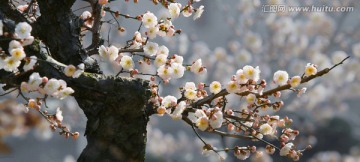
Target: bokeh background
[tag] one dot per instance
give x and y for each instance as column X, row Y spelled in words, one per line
column 229, row 35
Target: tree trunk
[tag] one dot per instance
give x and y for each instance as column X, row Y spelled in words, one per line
column 116, row 126
column 114, row 106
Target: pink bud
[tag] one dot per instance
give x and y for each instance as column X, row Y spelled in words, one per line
column 201, row 86
column 45, row 79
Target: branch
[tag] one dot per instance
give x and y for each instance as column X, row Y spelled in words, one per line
column 223, row 92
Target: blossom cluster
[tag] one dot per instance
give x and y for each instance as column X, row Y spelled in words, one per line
column 22, row 37
column 51, row 87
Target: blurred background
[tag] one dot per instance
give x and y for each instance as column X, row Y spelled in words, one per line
column 229, row 35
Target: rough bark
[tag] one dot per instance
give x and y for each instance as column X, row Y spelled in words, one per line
column 116, row 127
column 114, row 106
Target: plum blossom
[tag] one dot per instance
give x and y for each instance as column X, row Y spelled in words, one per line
column 18, row 54
column 79, row 71
column 174, row 10
column 179, row 109
column 188, row 10
column 240, row 77
column 149, row 20
column 69, row 70
column 232, row 87
column 11, row 64
column 165, row 72
column 14, row 44
column 202, row 123
column 190, row 94
column 34, row 81
column 163, row 50
column 286, row 149
column 58, row 115
column 198, row 12
column 151, row 48
column 197, row 67
column 30, row 63
column 215, row 87
column 127, row 63
column 310, row 69
column 295, row 81
column 152, row 32
column 190, row 86
column 169, row 101
column 250, row 98
column 266, row 129
column 178, row 70
column 109, row 53
column 160, row 60
column 251, row 72
column 281, row 77
column 23, row 30
column 216, row 119
column 52, row 86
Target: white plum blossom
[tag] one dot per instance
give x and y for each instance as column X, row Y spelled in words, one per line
column 179, row 109
column 127, row 62
column 190, row 94
column 202, row 123
column 65, row 92
column 250, row 98
column 310, row 69
column 215, row 87
column 178, row 59
column 169, row 101
column 149, row 20
column 165, row 72
column 27, row 41
column 216, row 120
column 266, row 129
column 251, row 72
column 240, row 77
column 232, row 87
column 163, row 50
column 152, row 32
column 52, row 86
column 18, row 54
column 281, row 77
column 188, row 10
column 59, row 115
column 79, row 71
column 286, row 149
column 295, row 81
column 198, row 12
column 34, row 81
column 109, row 53
column 23, row 30
column 86, row 15
column 69, row 70
column 29, row 65
column 197, row 67
column 151, row 48
column 178, row 70
column 11, row 64
column 174, row 10
column 15, row 45
column 190, row 86
column 160, row 60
